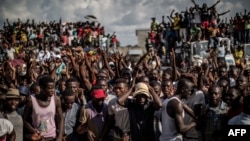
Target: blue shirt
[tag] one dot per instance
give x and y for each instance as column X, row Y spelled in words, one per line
column 70, row 119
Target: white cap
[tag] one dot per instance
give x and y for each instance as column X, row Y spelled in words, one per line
column 111, row 63
column 58, row 56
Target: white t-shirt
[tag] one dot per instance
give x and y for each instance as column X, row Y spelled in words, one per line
column 6, row 127
column 104, row 41
column 178, row 47
column 221, row 51
column 10, row 53
column 197, row 17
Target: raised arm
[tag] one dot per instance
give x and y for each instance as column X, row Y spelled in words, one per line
column 106, row 64
column 156, row 99
column 171, row 14
column 196, row 5
column 220, row 14
column 218, row 1
column 121, row 100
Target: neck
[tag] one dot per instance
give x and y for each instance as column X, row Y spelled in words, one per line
column 215, row 104
column 9, row 111
column 42, row 97
column 98, row 108
column 64, row 109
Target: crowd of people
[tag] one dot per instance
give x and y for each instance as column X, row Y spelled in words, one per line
column 59, row 83
column 197, row 23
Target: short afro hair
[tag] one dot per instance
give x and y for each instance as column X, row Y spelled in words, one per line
column 43, row 81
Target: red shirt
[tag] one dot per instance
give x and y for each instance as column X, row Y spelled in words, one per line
column 114, row 40
column 3, row 138
column 80, row 32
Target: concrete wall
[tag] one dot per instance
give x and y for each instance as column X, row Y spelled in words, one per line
column 141, row 35
column 124, row 50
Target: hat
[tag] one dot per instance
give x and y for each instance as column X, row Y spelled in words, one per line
column 12, row 93
column 111, row 63
column 58, row 56
column 23, row 90
column 100, row 93
column 141, row 88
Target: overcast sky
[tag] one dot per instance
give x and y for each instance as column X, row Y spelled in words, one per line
column 120, row 16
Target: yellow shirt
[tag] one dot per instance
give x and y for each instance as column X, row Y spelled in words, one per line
column 154, row 26
column 176, row 23
column 24, row 37
column 238, row 54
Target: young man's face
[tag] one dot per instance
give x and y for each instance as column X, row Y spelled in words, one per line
column 68, row 101
column 187, row 90
column 167, row 86
column 141, row 99
column 73, row 85
column 103, row 84
column 98, row 101
column 126, row 75
column 12, row 104
column 241, row 83
column 214, row 96
column 153, row 75
column 102, row 76
column 157, row 89
column 50, row 89
column 120, row 89
column 62, row 86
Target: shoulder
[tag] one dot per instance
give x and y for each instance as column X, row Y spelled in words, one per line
column 112, row 101
column 29, row 100
column 57, row 100
column 234, row 120
column 174, row 103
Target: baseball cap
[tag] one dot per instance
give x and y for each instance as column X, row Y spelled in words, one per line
column 98, row 94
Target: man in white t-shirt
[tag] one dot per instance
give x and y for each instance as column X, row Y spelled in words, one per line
column 104, row 43
column 10, row 53
column 173, row 113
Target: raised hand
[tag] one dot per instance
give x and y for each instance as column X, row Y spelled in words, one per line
column 68, row 52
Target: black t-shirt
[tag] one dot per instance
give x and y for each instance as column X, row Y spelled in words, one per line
column 141, row 121
column 204, row 14
column 184, row 23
